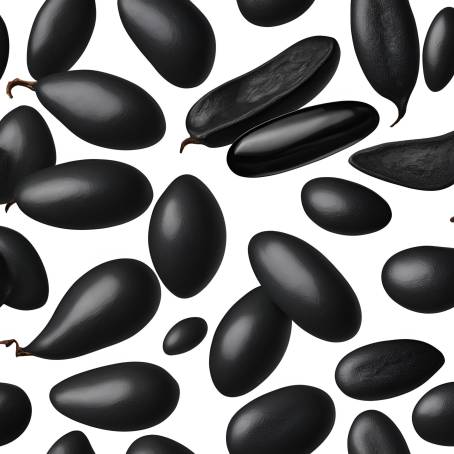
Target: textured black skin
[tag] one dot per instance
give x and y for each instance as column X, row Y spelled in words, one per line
column 281, row 85
column 373, row 432
column 386, row 42
column 174, row 36
column 4, row 46
column 185, row 336
column 305, row 285
column 187, row 236
column 120, row 397
column 85, row 194
column 72, row 443
column 60, row 33
column 26, row 145
column 155, row 444
column 344, row 207
column 292, row 420
column 103, row 109
column 387, row 369
column 248, row 344
column 301, row 137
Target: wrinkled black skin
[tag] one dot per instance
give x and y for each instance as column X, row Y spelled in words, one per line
column 305, row 285
column 248, row 344
column 344, row 207
column 281, row 85
column 185, row 336
column 60, row 33
column 301, row 137
column 85, row 194
column 122, row 397
column 175, row 28
column 26, row 145
column 4, row 47
column 387, row 369
column 187, row 236
column 155, row 444
column 292, row 420
column 72, row 443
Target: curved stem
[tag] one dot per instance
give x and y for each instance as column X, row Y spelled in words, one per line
column 30, row 84
column 19, row 350
column 188, row 141
column 8, row 206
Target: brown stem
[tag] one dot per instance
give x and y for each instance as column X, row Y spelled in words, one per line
column 8, row 206
column 19, row 350
column 30, row 84
column 188, row 141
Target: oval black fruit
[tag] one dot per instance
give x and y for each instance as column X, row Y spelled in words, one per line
column 155, row 444
column 301, row 137
column 248, row 344
column 187, row 236
column 121, row 397
column 281, row 85
column 292, row 420
column 387, row 369
column 72, row 443
column 174, row 36
column 344, row 207
column 185, row 336
column 305, row 285
column 60, row 33
column 4, row 46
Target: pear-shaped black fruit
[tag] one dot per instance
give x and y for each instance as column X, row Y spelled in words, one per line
column 72, row 443
column 4, row 46
column 155, row 444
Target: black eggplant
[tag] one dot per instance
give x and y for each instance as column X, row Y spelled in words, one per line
column 185, row 336
column 4, row 47
column 59, row 35
column 155, row 444
column 281, row 85
column 72, row 443
column 187, row 236
column 301, row 137
column 86, row 194
column 120, row 397
column 386, row 42
column 174, row 36
column 100, row 108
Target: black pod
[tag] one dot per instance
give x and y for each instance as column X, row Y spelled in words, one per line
column 72, row 443
column 281, row 85
column 155, row 444
column 301, row 137
column 185, row 336
column 174, row 36
column 4, row 46
column 121, row 397
column 59, row 35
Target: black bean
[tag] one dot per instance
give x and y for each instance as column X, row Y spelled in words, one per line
column 185, row 336
column 4, row 46
column 155, row 444
column 72, row 443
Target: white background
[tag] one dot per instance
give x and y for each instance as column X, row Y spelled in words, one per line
column 250, row 206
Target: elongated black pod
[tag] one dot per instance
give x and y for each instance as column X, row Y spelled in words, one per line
column 155, row 444
column 301, row 137
column 121, row 397
column 386, row 42
column 4, row 47
column 174, row 36
column 100, row 108
column 281, row 85
column 72, row 443
column 60, row 33
column 185, row 336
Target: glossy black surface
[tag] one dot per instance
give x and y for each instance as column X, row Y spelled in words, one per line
column 387, row 369
column 248, row 344
column 72, row 443
column 60, row 33
column 386, row 42
column 281, row 85
column 305, row 285
column 185, row 336
column 187, row 236
column 301, row 137
column 155, row 444
column 292, row 420
column 4, row 46
column 174, row 36
column 344, row 207
column 86, row 194
column 120, row 397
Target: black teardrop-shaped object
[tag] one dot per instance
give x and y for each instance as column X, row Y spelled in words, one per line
column 4, row 46
column 305, row 285
column 292, row 420
column 187, row 236
column 86, row 194
column 60, row 33
column 72, row 443
column 387, row 369
column 344, row 207
column 185, row 336
column 120, row 397
column 248, row 344
column 174, row 36
column 155, row 444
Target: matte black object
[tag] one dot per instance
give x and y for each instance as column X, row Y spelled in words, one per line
column 185, row 336
column 305, row 285
column 187, row 236
column 373, row 432
column 301, row 137
column 60, row 33
column 174, row 36
column 292, row 420
column 100, row 108
column 120, row 397
column 155, row 444
column 344, row 207
column 283, row 84
column 4, row 46
column 72, row 443
column 386, row 42
column 387, row 369
column 86, row 194
column 248, row 344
